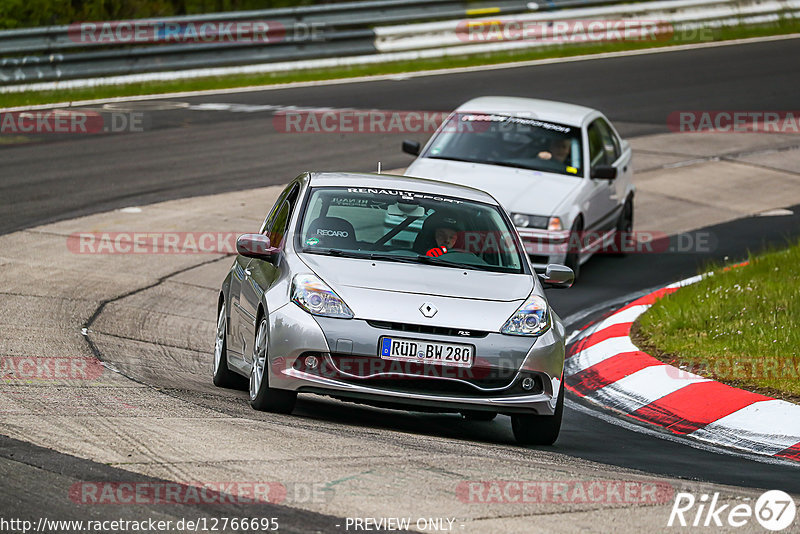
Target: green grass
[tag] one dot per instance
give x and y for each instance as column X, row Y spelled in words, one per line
column 785, row 26
column 740, row 326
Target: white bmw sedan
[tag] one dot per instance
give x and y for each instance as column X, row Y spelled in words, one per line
column 561, row 171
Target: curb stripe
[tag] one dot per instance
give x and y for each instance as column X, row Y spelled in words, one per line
column 606, row 368
column 777, row 420
column 598, row 376
column 617, row 330
column 628, row 314
column 792, row 453
column 650, row 299
column 643, row 387
column 696, row 405
column 598, row 352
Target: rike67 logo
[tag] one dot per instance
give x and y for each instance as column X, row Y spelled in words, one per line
column 774, row 510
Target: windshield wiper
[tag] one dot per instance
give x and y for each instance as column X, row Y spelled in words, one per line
column 360, row 255
column 445, row 263
column 405, row 259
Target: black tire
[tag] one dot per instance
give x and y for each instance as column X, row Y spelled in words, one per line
column 223, row 376
column 624, row 229
column 263, row 397
column 539, row 429
column 478, row 415
column 573, row 259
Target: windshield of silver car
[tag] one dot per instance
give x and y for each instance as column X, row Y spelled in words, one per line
column 408, row 226
column 519, row 142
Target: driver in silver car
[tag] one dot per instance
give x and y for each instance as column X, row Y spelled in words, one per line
column 439, row 235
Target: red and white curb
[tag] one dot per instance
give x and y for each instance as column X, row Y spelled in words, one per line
column 604, row 367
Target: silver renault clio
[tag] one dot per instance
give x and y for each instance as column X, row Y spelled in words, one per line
column 438, row 310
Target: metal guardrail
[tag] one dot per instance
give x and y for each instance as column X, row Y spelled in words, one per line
column 667, row 16
column 350, row 33
column 58, row 52
column 342, row 29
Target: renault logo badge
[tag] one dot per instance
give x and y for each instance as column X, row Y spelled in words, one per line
column 428, row 310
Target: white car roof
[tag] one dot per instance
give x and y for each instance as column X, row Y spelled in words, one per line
column 547, row 110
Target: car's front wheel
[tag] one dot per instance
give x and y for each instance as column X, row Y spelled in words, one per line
column 573, row 258
column 223, row 376
column 539, row 429
column 263, row 397
column 624, row 233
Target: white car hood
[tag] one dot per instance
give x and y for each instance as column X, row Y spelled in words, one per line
column 517, row 190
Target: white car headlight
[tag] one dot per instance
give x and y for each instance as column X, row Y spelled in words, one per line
column 315, row 297
column 529, row 221
column 531, row 319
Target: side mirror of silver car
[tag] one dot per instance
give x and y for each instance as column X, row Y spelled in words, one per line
column 256, row 246
column 557, row 276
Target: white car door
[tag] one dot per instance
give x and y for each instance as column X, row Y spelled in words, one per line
column 604, row 194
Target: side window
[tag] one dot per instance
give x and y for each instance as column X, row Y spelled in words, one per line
column 603, row 148
column 278, row 229
column 610, row 142
column 614, row 140
column 270, row 220
column 596, row 153
column 278, row 222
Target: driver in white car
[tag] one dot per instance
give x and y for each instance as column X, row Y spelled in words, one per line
column 558, row 150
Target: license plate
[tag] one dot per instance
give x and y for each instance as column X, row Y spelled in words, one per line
column 413, row 350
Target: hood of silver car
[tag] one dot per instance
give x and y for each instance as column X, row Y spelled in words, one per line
column 387, row 291
column 518, row 190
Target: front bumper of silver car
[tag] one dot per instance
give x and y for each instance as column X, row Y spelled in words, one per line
column 544, row 246
column 339, row 357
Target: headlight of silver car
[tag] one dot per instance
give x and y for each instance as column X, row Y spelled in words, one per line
column 317, row 298
column 531, row 319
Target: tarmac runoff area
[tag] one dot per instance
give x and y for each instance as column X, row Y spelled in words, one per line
column 151, row 319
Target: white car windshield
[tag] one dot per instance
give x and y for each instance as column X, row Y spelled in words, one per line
column 408, row 226
column 509, row 141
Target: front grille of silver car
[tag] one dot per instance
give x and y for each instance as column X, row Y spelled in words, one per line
column 429, row 379
column 417, row 377
column 425, row 329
